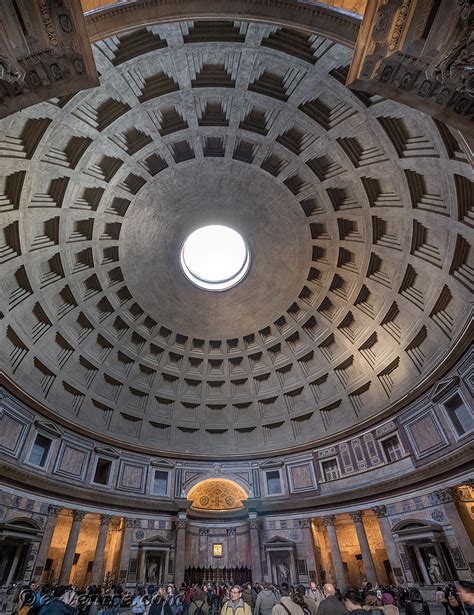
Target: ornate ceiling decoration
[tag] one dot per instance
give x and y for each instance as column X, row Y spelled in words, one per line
column 217, row 495
column 357, row 211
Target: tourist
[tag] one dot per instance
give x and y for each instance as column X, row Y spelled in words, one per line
column 309, row 603
column 416, row 605
column 286, row 606
column 199, row 604
column 454, row 600
column 265, row 601
column 466, row 595
column 57, row 605
column 441, row 598
column 247, row 594
column 235, row 605
column 388, row 602
column 353, row 603
column 373, row 604
column 330, row 605
column 315, row 592
column 138, row 604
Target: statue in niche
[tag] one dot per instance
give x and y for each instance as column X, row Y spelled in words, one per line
column 283, row 573
column 434, row 569
column 152, row 569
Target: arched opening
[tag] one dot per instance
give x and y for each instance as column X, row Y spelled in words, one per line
column 217, row 495
column 17, row 537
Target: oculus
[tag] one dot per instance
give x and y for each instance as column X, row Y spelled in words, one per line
column 215, row 257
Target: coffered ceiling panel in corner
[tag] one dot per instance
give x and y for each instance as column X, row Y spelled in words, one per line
column 357, row 213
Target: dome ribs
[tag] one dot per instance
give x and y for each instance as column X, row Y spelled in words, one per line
column 214, row 147
column 155, row 86
column 202, row 31
column 102, row 115
column 462, row 264
column 291, row 42
column 10, row 191
column 182, row 151
column 24, row 146
column 361, row 152
column 213, row 113
column 327, row 114
column 244, row 151
column 9, row 242
column 54, row 195
column 465, row 198
column 406, row 139
column 51, row 271
column 425, row 193
column 104, row 168
column 154, row 164
column 171, row 120
column 71, row 153
column 132, row 140
column 19, row 288
column 136, row 43
column 213, row 76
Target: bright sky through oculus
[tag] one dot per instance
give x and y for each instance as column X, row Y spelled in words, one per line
column 215, row 257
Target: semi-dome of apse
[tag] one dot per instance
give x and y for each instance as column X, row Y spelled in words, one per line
column 357, row 213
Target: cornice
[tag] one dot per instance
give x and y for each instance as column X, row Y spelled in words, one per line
column 325, row 21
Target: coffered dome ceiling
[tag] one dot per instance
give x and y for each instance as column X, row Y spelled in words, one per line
column 356, row 210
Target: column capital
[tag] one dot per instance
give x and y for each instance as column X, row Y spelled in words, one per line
column 53, row 510
column 105, row 519
column 356, row 516
column 328, row 520
column 231, row 531
column 181, row 524
column 78, row 515
column 203, row 531
column 253, row 523
column 304, row 523
column 380, row 511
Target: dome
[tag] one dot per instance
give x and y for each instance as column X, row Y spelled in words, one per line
column 355, row 210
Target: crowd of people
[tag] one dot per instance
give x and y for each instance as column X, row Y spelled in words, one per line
column 228, row 599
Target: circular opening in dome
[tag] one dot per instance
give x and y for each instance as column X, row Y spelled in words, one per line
column 215, row 257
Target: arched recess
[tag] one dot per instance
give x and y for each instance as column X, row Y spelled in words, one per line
column 216, row 495
column 324, row 21
column 17, row 538
column 426, row 551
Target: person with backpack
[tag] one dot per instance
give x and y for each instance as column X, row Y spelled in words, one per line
column 265, row 600
column 199, row 604
column 309, row 603
column 287, row 606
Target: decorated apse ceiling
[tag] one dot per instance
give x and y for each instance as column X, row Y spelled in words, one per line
column 357, row 212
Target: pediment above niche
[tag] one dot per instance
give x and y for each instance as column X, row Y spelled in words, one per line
column 271, row 463
column 162, row 463
column 443, row 387
column 107, row 451
column 49, row 427
column 156, row 540
column 280, row 541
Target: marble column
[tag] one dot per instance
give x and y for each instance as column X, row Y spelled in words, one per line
column 364, row 547
column 180, row 549
column 53, row 512
column 338, row 567
column 203, row 547
column 97, row 574
column 232, row 551
column 309, row 547
column 68, row 559
column 127, row 539
column 448, row 498
column 255, row 558
column 390, row 546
